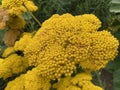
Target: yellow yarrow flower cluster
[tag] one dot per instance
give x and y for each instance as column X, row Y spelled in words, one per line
column 29, row 81
column 70, row 25
column 11, row 65
column 54, row 69
column 88, row 22
column 8, row 51
column 65, row 40
column 18, row 85
column 21, row 44
column 81, row 81
column 17, row 7
column 103, row 49
column 16, row 23
column 59, row 31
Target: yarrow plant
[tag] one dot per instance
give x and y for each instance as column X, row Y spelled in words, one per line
column 12, row 18
column 64, row 45
column 17, row 7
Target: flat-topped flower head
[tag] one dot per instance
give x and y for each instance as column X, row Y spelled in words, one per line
column 21, row 44
column 88, row 22
column 103, row 48
column 29, row 81
column 81, row 81
column 13, row 64
column 65, row 40
column 17, row 7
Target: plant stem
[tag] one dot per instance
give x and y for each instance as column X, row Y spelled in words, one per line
column 30, row 24
column 33, row 16
column 35, row 19
column 99, row 79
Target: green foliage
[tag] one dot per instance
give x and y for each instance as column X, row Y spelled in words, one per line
column 115, row 13
column 2, row 46
column 115, row 6
column 49, row 7
column 115, row 10
column 1, row 35
column 114, row 66
column 116, row 80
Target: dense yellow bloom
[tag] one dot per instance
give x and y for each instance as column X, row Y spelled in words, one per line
column 59, row 31
column 81, row 77
column 30, row 6
column 66, row 40
column 103, row 49
column 17, row 84
column 16, row 23
column 81, row 81
column 22, row 43
column 54, row 62
column 90, row 86
column 8, row 51
column 71, row 88
column 29, row 81
column 13, row 64
column 90, row 22
column 35, row 82
column 17, row 7
column 63, row 84
column 52, row 69
column 17, row 11
column 1, row 61
column 62, row 42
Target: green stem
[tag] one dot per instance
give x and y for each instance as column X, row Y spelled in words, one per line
column 35, row 19
column 33, row 16
column 99, row 79
column 30, row 23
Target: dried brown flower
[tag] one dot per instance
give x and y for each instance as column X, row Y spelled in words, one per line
column 4, row 16
column 10, row 37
